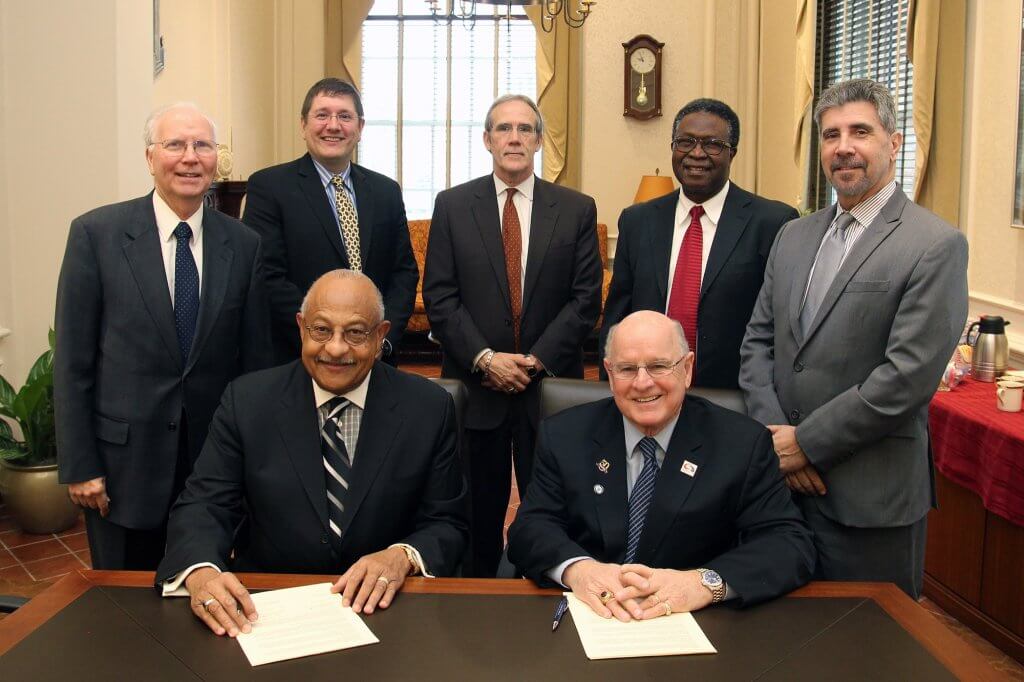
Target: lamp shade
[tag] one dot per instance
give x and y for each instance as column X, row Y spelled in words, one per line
column 652, row 187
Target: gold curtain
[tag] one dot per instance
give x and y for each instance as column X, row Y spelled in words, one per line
column 558, row 97
column 803, row 95
column 342, row 46
column 936, row 37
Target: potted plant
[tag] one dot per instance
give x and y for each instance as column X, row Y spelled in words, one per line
column 28, row 467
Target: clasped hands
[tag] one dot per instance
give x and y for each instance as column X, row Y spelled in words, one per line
column 635, row 591
column 800, row 474
column 510, row 372
column 222, row 602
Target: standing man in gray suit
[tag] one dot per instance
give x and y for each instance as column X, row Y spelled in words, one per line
column 160, row 304
column 861, row 307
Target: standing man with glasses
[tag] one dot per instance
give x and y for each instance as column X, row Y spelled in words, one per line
column 655, row 501
column 698, row 254
column 321, row 212
column 862, row 305
column 512, row 287
column 160, row 304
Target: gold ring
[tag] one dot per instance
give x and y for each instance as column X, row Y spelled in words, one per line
column 206, row 604
column 668, row 609
column 382, row 579
column 605, row 597
column 655, row 598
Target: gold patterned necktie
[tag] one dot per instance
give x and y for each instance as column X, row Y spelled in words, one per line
column 349, row 222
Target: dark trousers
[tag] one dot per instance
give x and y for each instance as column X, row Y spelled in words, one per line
column 114, row 547
column 490, row 456
column 890, row 555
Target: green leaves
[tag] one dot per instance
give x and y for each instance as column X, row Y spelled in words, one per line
column 32, row 409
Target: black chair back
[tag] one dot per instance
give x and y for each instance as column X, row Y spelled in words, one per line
column 460, row 395
column 559, row 394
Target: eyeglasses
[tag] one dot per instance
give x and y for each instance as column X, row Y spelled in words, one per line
column 629, row 371
column 524, row 129
column 343, row 117
column 711, row 147
column 354, row 336
column 200, row 147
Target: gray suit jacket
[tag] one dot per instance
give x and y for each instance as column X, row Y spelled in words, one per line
column 857, row 387
column 120, row 383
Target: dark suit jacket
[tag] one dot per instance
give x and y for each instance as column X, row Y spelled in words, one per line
column 288, row 207
column 857, row 387
column 732, row 277
column 120, row 383
column 465, row 287
column 262, row 464
column 734, row 515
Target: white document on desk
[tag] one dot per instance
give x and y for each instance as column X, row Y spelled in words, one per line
column 610, row 638
column 302, row 621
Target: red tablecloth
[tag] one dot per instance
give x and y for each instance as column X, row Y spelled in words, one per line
column 980, row 447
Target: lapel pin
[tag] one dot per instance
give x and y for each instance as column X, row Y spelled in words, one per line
column 599, row 489
column 688, row 468
column 603, row 466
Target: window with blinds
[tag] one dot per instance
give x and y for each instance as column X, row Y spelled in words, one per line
column 426, row 87
column 867, row 39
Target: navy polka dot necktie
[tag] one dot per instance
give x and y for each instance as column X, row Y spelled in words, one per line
column 186, row 290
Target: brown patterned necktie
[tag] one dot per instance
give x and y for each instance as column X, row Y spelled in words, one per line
column 512, row 238
column 349, row 222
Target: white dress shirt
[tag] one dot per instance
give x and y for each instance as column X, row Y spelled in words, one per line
column 166, row 222
column 708, row 223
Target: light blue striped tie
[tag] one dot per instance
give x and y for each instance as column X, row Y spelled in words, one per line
column 640, row 499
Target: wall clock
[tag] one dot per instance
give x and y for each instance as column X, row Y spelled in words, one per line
column 642, row 64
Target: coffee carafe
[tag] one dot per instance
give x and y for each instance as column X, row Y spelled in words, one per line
column 990, row 351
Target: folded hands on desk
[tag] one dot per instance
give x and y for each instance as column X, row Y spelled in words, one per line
column 635, row 591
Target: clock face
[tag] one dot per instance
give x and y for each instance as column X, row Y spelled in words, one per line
column 642, row 60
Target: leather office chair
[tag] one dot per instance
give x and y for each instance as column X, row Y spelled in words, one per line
column 460, row 395
column 559, row 394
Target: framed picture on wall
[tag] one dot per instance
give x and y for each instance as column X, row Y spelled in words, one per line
column 1017, row 219
column 158, row 41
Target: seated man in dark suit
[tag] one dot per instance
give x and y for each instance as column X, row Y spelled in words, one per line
column 654, row 501
column 337, row 463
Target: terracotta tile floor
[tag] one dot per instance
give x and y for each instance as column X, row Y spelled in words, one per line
column 30, row 563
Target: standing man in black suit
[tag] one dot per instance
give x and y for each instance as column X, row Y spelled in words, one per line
column 160, row 304
column 655, row 501
column 512, row 287
column 321, row 212
column 698, row 255
column 337, row 463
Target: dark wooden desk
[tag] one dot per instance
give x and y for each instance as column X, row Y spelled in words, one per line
column 112, row 626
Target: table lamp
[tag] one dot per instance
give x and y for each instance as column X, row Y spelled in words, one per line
column 652, row 187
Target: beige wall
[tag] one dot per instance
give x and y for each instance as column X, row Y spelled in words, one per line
column 71, row 141
column 996, row 272
column 711, row 50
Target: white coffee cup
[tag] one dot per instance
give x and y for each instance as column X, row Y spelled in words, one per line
column 1009, row 395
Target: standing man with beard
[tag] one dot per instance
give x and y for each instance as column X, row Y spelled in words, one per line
column 512, row 286
column 698, row 254
column 862, row 305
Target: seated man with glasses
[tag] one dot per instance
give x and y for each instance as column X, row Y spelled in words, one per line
column 337, row 463
column 653, row 501
column 698, row 254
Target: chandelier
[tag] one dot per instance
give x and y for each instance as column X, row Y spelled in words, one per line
column 550, row 10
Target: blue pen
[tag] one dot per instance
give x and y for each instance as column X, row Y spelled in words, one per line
column 563, row 606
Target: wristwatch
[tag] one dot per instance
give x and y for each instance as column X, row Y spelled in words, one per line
column 714, row 583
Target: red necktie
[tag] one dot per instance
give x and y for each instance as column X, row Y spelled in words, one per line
column 512, row 238
column 685, row 295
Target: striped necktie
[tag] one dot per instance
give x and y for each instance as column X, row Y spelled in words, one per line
column 640, row 499
column 337, row 463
